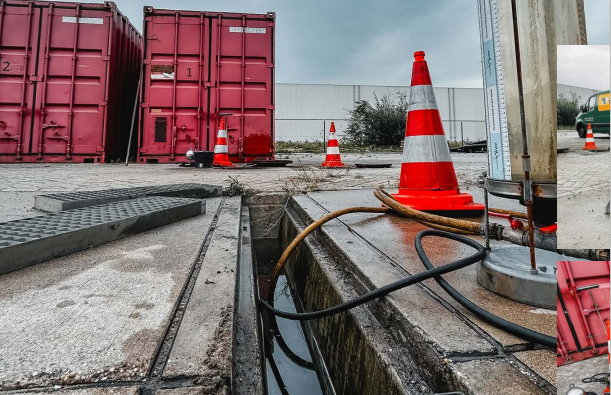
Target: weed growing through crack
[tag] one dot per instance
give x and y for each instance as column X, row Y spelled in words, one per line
column 237, row 187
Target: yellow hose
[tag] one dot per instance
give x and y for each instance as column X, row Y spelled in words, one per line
column 431, row 220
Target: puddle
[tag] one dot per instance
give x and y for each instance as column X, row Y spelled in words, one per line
column 289, row 366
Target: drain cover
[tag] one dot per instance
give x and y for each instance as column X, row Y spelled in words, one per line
column 29, row 241
column 68, row 201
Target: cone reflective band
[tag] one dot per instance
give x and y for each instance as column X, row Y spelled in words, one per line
column 333, row 159
column 428, row 181
column 590, row 140
column 221, row 153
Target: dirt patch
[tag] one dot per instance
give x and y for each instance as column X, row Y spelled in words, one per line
column 216, row 379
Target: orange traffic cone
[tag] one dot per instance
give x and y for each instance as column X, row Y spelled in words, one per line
column 590, row 140
column 428, row 181
column 221, row 153
column 333, row 158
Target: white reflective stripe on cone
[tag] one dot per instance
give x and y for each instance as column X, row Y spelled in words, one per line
column 222, row 133
column 426, row 148
column 220, row 149
column 422, row 97
column 333, row 150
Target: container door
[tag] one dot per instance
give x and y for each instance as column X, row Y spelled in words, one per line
column 74, row 63
column 243, row 70
column 18, row 47
column 175, row 104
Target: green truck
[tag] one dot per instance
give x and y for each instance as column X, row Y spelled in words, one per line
column 595, row 112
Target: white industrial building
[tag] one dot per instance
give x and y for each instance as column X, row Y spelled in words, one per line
column 305, row 111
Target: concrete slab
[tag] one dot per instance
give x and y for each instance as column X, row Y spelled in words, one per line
column 573, row 373
column 372, row 241
column 439, row 326
column 72, row 200
column 486, row 377
column 538, row 360
column 97, row 315
column 33, row 240
column 203, row 345
column 583, row 193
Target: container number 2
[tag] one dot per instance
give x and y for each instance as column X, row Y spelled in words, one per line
column 6, row 66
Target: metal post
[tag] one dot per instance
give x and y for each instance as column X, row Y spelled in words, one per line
column 528, row 201
column 131, row 129
column 486, row 211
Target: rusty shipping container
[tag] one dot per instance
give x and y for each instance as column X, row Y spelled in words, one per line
column 198, row 67
column 583, row 310
column 68, row 80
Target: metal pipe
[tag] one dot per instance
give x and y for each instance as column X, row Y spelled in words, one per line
column 218, row 70
column 173, row 139
column 71, row 105
column 131, row 129
column 199, row 82
column 26, row 63
column 243, row 76
column 486, row 215
column 525, row 157
column 45, row 66
column 109, row 48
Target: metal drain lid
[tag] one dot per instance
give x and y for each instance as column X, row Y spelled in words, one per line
column 54, row 203
column 30, row 241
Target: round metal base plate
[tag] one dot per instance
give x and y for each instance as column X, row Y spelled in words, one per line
column 506, row 271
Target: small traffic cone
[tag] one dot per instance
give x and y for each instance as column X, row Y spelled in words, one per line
column 333, row 158
column 221, row 152
column 590, row 140
column 428, row 181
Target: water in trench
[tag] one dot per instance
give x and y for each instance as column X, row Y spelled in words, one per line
column 289, row 366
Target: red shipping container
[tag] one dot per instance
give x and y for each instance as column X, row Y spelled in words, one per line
column 583, row 310
column 199, row 66
column 67, row 89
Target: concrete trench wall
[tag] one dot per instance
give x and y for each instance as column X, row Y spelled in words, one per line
column 353, row 344
column 353, row 363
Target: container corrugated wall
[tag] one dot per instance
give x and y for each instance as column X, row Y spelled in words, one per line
column 199, row 66
column 582, row 333
column 67, row 89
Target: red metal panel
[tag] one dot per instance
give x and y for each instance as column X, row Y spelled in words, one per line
column 582, row 313
column 78, row 74
column 199, row 65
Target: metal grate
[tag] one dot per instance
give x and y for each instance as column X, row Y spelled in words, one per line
column 33, row 240
column 73, row 200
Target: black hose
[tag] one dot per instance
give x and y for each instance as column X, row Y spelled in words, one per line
column 385, row 290
column 431, row 272
column 509, row 327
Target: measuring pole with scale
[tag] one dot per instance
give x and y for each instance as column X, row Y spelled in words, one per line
column 499, row 163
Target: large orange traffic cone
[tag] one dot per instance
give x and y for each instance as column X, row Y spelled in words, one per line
column 221, row 152
column 590, row 140
column 428, row 181
column 333, row 158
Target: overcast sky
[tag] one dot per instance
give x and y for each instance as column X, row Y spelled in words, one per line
column 587, row 66
column 371, row 42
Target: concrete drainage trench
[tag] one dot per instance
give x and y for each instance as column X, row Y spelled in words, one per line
column 376, row 348
column 348, row 353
